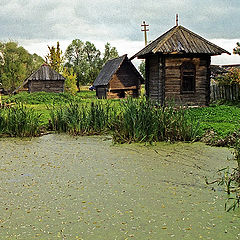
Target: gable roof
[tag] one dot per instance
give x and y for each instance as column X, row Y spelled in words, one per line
column 110, row 68
column 45, row 73
column 181, row 40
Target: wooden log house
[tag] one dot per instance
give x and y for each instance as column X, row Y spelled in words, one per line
column 178, row 67
column 118, row 79
column 45, row 79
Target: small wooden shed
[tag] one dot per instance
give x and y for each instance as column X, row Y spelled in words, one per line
column 178, row 67
column 45, row 79
column 118, row 79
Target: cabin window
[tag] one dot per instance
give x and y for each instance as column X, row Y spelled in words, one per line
column 188, row 77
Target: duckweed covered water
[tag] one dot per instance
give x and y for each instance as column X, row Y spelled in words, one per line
column 63, row 187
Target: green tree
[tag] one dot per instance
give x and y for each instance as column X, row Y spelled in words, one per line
column 85, row 60
column 70, row 84
column 55, row 58
column 141, row 69
column 236, row 50
column 15, row 65
column 109, row 53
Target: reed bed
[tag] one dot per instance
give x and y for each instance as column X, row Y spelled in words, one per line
column 83, row 118
column 20, row 121
column 144, row 121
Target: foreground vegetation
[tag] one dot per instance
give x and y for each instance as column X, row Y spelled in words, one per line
column 20, row 121
column 217, row 125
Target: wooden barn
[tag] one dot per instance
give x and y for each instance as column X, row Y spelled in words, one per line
column 118, row 79
column 45, row 79
column 178, row 67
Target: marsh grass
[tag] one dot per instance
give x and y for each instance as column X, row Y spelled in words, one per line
column 20, row 121
column 79, row 118
column 143, row 121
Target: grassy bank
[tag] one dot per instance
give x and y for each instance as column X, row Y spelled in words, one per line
column 218, row 124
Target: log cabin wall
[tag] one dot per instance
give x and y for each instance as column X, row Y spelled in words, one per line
column 173, row 80
column 155, row 82
column 125, row 78
column 46, row 86
column 101, row 92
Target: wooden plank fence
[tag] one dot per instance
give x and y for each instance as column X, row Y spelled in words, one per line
column 226, row 92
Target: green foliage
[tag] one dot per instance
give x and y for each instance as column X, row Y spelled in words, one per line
column 142, row 121
column 142, row 70
column 16, row 64
column 222, row 119
column 109, row 53
column 231, row 77
column 20, row 121
column 86, row 60
column 236, row 50
column 70, row 85
column 40, row 98
column 81, row 118
column 55, row 58
column 47, row 98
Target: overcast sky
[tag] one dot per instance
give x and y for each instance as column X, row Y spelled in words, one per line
column 38, row 23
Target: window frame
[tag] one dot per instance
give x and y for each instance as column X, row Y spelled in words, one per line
column 189, row 68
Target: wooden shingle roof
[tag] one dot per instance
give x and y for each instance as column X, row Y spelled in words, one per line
column 109, row 69
column 180, row 40
column 45, row 72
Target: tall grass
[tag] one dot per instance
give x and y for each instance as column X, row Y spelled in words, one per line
column 143, row 121
column 20, row 121
column 82, row 118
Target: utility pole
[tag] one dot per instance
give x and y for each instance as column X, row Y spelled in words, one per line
column 145, row 30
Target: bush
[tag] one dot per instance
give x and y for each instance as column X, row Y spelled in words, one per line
column 229, row 78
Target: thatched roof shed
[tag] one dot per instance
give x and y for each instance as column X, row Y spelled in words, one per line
column 178, row 67
column 117, row 79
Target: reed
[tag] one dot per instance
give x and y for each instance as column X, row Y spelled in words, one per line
column 143, row 121
column 79, row 118
column 20, row 121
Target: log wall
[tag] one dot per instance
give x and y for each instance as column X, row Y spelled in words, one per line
column 173, row 81
column 125, row 78
column 163, row 82
column 101, row 92
column 46, row 86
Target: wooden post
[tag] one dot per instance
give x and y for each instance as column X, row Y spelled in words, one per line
column 176, row 19
column 145, row 30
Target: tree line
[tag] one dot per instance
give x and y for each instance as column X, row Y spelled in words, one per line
column 80, row 64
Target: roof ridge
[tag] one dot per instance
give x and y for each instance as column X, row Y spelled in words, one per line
column 170, row 34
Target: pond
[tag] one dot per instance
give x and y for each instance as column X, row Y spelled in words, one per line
column 63, row 187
